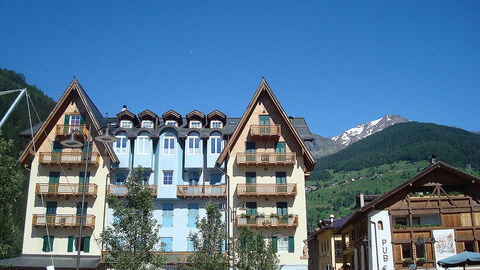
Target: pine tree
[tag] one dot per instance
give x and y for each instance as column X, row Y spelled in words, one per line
column 131, row 240
column 209, row 242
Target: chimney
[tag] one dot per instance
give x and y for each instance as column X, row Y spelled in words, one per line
column 332, row 216
column 433, row 159
column 362, row 199
column 124, row 108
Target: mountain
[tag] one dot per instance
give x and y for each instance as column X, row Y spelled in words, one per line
column 18, row 120
column 364, row 130
column 410, row 141
column 322, row 146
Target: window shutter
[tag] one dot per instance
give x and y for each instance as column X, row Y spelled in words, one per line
column 274, row 244
column 70, row 244
column 82, row 120
column 45, row 243
column 67, row 119
column 86, row 244
column 291, row 245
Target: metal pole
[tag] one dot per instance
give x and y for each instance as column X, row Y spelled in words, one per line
column 376, row 242
column 15, row 102
column 79, row 242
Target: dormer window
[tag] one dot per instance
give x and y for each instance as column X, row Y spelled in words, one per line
column 195, row 124
column 171, row 123
column 147, row 124
column 215, row 124
column 126, row 124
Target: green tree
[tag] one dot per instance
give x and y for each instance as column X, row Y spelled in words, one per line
column 131, row 240
column 254, row 252
column 11, row 183
column 209, row 243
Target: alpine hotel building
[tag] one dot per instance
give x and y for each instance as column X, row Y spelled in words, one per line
column 259, row 161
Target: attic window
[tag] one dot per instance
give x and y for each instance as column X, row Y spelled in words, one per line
column 125, row 124
column 171, row 123
column 195, row 124
column 215, row 124
column 147, row 124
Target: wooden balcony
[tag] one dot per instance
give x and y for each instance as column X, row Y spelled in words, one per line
column 69, row 158
column 286, row 221
column 266, row 159
column 65, row 189
column 121, row 190
column 63, row 220
column 65, row 130
column 203, row 191
column 265, row 130
column 266, row 190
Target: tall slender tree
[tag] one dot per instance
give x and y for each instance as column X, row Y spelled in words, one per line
column 209, row 242
column 12, row 179
column 254, row 252
column 132, row 240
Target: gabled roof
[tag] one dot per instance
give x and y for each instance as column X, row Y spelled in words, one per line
column 197, row 114
column 147, row 112
column 128, row 115
column 216, row 113
column 264, row 87
column 430, row 169
column 172, row 114
column 93, row 113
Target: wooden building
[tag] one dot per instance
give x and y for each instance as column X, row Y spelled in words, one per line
column 433, row 215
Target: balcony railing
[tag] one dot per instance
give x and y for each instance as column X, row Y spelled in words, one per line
column 65, row 189
column 265, row 130
column 264, row 190
column 262, row 159
column 202, row 191
column 121, row 190
column 70, row 158
column 63, row 220
column 65, row 130
column 284, row 221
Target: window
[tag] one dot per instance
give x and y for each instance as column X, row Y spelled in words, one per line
column 401, row 221
column 469, row 246
column 216, row 144
column 282, row 244
column 47, row 243
column 147, row 124
column 121, row 177
column 75, row 122
column 282, row 209
column 167, row 244
column 167, row 217
column 215, row 178
column 416, row 220
column 169, row 145
column 406, row 251
column 171, row 123
column 192, row 214
column 194, row 143
column 193, row 178
column 251, row 208
column 215, row 124
column 264, row 120
column 73, row 244
column 121, row 144
column 195, row 124
column 167, row 177
column 190, row 246
column 143, row 145
column 420, row 249
column 125, row 124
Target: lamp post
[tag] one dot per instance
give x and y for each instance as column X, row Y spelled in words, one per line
column 74, row 143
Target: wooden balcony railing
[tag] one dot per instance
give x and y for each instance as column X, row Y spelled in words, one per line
column 65, row 189
column 121, row 190
column 70, row 158
column 202, row 191
column 265, row 130
column 264, row 190
column 65, row 130
column 63, row 220
column 268, row 158
column 284, row 221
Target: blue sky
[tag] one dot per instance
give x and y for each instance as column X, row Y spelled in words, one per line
column 336, row 63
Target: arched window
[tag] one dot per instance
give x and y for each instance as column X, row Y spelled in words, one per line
column 215, row 143
column 193, row 144
column 380, row 225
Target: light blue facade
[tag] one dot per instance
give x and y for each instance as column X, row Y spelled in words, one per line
column 173, row 156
